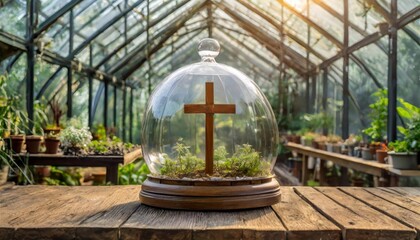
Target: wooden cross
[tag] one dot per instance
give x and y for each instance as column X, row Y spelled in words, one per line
column 209, row 108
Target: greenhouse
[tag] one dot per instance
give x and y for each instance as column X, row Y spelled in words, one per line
column 160, row 119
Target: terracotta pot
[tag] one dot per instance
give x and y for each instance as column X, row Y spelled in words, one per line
column 322, row 146
column 315, row 144
column 51, row 145
column 296, row 139
column 32, row 143
column 15, row 143
column 381, row 155
column 373, row 148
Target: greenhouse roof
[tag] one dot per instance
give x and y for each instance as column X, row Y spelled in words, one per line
column 126, row 40
column 107, row 56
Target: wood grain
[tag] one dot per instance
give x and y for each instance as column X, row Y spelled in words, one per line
column 301, row 220
column 154, row 223
column 356, row 219
column 396, row 199
column 113, row 212
column 71, row 212
column 370, row 167
column 390, row 209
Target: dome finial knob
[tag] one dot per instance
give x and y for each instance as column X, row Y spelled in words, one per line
column 208, row 49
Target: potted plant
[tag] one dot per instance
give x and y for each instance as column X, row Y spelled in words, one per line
column 382, row 153
column 52, row 142
column 33, row 142
column 334, row 143
column 351, row 142
column 308, row 139
column 402, row 155
column 378, row 116
column 13, row 121
column 56, row 111
column 320, row 141
column 75, row 138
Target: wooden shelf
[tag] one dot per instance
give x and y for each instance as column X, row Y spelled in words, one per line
column 111, row 162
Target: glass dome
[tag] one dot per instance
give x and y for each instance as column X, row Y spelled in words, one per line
column 242, row 140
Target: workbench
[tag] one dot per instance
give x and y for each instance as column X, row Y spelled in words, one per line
column 114, row 212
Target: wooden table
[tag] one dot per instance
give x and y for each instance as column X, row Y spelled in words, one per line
column 110, row 162
column 384, row 171
column 114, row 212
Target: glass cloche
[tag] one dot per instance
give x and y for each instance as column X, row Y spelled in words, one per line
column 209, row 120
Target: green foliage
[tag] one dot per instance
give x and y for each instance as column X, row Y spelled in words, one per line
column 113, row 146
column 378, row 115
column 64, row 176
column 12, row 117
column 399, row 146
column 185, row 164
column 318, row 122
column 99, row 132
column 413, row 135
column 244, row 162
column 133, row 173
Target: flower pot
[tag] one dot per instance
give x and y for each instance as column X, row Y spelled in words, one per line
column 366, row 154
column 373, row 148
column 51, row 145
column 306, row 142
column 403, row 160
column 296, row 139
column 32, row 143
column 381, row 155
column 350, row 150
column 4, row 173
column 52, row 130
column 15, row 143
column 315, row 144
column 322, row 146
column 334, row 147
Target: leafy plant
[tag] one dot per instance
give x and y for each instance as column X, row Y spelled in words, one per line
column 133, row 173
column 112, row 146
column 67, row 177
column 318, row 121
column 75, row 136
column 378, row 115
column 56, row 112
column 245, row 161
column 399, row 146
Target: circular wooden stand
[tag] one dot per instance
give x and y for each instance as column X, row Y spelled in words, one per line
column 210, row 194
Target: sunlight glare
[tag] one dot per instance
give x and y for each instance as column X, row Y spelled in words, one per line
column 297, row 4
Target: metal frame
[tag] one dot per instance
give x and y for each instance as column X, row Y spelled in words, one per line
column 293, row 59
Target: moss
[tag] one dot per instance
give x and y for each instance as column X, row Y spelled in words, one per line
column 244, row 162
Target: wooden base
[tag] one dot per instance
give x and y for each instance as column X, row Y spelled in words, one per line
column 210, row 195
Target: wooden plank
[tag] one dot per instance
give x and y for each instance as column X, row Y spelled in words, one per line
column 394, row 211
column 133, row 155
column 154, row 223
column 356, row 219
column 406, row 173
column 301, row 220
column 396, row 199
column 370, row 167
column 408, row 192
column 73, row 212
